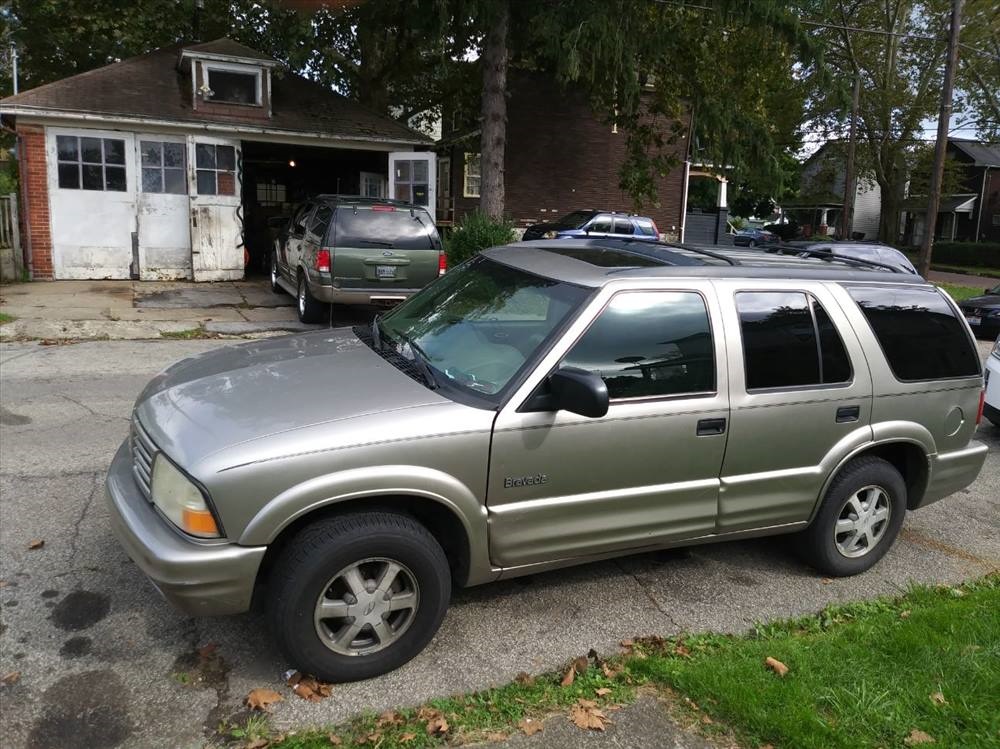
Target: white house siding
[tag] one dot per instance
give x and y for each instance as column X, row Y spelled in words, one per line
column 867, row 208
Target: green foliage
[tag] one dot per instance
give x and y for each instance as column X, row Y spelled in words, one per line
column 960, row 293
column 922, row 160
column 475, row 233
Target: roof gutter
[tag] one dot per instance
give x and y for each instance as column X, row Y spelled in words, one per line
column 241, row 129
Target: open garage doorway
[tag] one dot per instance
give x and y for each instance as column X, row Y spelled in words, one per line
column 278, row 176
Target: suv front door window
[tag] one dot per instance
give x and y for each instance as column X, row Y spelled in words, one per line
column 563, row 485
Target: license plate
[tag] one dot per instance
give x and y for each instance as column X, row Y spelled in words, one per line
column 385, row 271
column 974, row 320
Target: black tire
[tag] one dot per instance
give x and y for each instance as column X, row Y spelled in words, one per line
column 751, row 243
column 319, row 552
column 310, row 309
column 818, row 544
column 275, row 286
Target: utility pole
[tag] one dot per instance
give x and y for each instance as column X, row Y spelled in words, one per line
column 13, row 64
column 850, row 178
column 944, row 121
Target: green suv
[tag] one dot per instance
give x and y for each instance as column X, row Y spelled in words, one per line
column 353, row 250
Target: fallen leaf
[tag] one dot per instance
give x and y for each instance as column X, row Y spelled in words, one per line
column 682, row 650
column 428, row 713
column 602, row 691
column 775, row 665
column 918, row 737
column 627, row 644
column 312, row 690
column 706, row 720
column 262, row 699
column 569, row 677
column 938, row 699
column 257, row 744
column 691, row 703
column 524, row 679
column 497, row 736
column 334, row 739
column 529, row 726
column 904, row 614
column 826, row 580
column 389, row 718
column 437, row 726
column 292, row 677
column 11, row 678
column 585, row 714
column 610, row 671
column 406, row 738
column 36, row 543
column 205, row 651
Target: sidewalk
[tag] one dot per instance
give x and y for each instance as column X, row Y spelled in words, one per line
column 961, row 279
column 121, row 310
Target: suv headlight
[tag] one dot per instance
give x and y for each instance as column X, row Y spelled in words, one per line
column 180, row 500
column 550, row 235
column 996, row 348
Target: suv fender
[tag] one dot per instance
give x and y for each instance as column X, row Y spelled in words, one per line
column 378, row 481
column 885, row 434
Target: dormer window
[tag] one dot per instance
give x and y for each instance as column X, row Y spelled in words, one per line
column 232, row 84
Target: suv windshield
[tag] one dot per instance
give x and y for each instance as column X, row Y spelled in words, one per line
column 479, row 324
column 575, row 220
column 386, row 226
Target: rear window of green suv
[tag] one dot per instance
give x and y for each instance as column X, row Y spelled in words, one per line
column 918, row 330
column 386, row 226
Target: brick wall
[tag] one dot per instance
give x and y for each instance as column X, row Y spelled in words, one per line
column 561, row 157
column 35, row 199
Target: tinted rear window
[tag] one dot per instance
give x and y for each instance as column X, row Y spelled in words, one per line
column 399, row 228
column 919, row 333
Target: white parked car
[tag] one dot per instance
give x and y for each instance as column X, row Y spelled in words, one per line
column 991, row 408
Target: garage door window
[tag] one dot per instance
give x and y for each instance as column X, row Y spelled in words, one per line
column 215, row 169
column 90, row 163
column 163, row 167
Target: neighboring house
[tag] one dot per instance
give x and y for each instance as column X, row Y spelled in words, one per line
column 168, row 165
column 820, row 204
column 560, row 157
column 973, row 213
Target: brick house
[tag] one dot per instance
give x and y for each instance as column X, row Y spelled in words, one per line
column 560, row 157
column 169, row 164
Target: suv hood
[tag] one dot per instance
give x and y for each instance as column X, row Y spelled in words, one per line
column 207, row 403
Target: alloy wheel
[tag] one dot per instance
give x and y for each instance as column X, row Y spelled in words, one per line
column 367, row 606
column 862, row 521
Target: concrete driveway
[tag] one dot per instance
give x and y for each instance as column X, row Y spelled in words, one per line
column 104, row 662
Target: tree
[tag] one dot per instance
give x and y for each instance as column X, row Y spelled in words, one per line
column 900, row 64
column 978, row 80
column 494, row 119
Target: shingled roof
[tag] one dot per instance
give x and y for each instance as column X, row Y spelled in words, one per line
column 982, row 154
column 153, row 86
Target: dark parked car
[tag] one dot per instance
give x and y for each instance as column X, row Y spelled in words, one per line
column 753, row 237
column 346, row 249
column 983, row 313
column 870, row 251
column 595, row 224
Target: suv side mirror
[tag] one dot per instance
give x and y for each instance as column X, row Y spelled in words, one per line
column 578, row 391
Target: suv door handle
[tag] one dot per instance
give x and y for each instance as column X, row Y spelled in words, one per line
column 711, row 426
column 848, row 413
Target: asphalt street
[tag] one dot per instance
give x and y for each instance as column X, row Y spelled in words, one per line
column 104, row 662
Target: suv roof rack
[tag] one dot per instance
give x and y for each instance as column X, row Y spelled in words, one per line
column 784, row 248
column 679, row 245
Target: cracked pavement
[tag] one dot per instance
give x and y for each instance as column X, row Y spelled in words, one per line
column 104, row 662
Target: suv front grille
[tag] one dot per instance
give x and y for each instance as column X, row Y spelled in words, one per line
column 143, row 452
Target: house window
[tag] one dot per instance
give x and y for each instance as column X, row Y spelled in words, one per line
column 472, row 177
column 215, row 169
column 411, row 183
column 270, row 193
column 90, row 163
column 163, row 167
column 996, row 219
column 233, row 85
column 372, row 185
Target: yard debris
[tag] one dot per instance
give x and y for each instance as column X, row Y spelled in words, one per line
column 406, row 738
column 602, row 691
column 627, row 644
column 334, row 739
column 585, row 714
column 578, row 666
column 904, row 614
column 390, row 718
column 436, row 723
column 262, row 699
column 257, row 744
column 682, row 650
column 611, row 671
column 307, row 687
column 938, row 699
column 11, row 678
column 530, row 726
column 775, row 665
column 524, row 679
column 918, row 737
column 36, row 543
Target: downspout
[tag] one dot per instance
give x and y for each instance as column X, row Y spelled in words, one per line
column 982, row 200
column 687, row 174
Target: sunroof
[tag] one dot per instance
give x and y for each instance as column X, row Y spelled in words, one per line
column 606, row 258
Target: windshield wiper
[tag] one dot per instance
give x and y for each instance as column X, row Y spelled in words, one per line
column 421, row 360
column 378, row 242
column 377, row 332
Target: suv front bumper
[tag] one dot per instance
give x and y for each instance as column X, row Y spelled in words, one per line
column 198, row 579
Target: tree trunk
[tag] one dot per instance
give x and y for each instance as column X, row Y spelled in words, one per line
column 892, row 198
column 494, row 111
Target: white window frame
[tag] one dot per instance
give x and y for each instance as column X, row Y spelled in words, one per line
column 996, row 219
column 379, row 179
column 228, row 67
column 471, row 155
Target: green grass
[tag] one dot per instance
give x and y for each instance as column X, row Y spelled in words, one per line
column 5, row 318
column 958, row 293
column 860, row 675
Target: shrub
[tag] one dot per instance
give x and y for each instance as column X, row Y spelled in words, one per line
column 978, row 254
column 475, row 233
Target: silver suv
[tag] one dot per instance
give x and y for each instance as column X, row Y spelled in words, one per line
column 536, row 407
